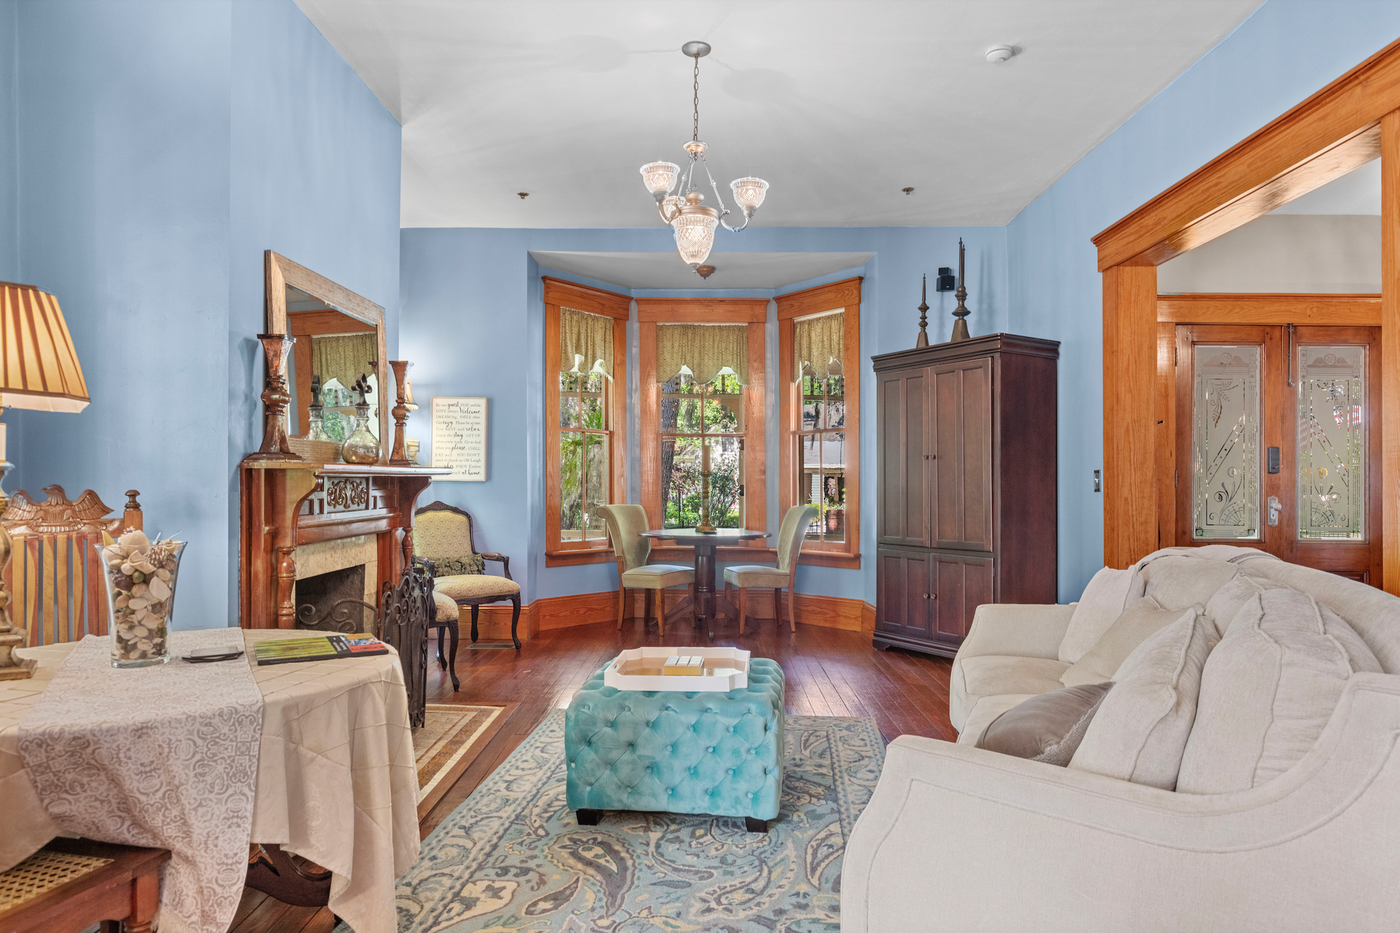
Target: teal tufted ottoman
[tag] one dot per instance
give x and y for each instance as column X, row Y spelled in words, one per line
column 715, row 753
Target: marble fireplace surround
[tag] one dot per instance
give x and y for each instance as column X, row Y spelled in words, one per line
column 320, row 557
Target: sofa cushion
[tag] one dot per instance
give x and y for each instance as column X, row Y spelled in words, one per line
column 1180, row 582
column 1227, row 602
column 984, row 711
column 1268, row 691
column 1048, row 727
column 1104, row 599
column 995, row 674
column 1140, row 730
column 1140, row 620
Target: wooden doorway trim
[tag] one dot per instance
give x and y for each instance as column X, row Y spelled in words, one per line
column 1346, row 124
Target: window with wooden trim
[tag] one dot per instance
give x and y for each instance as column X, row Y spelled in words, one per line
column 585, row 417
column 819, row 400
column 702, row 391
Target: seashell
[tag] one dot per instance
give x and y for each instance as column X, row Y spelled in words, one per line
column 122, row 582
column 158, row 588
column 135, row 539
column 139, row 602
column 164, row 574
column 128, row 569
column 140, row 631
column 157, row 609
column 121, row 601
column 145, row 566
column 139, row 589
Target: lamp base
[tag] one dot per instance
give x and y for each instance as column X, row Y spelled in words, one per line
column 11, row 667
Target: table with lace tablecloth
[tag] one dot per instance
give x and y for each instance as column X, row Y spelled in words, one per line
column 336, row 781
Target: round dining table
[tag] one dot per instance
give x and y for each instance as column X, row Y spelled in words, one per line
column 707, row 601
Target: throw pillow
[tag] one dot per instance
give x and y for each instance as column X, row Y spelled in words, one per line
column 1141, row 728
column 1269, row 690
column 1227, row 602
column 1104, row 599
column 1139, row 621
column 1178, row 582
column 1045, row 728
column 456, row 566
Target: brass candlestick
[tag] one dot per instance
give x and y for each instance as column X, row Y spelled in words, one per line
column 923, row 318
column 960, row 331
column 705, row 528
column 275, row 397
column 399, row 456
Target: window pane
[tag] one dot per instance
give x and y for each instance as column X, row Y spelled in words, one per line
column 724, row 416
column 811, row 414
column 593, row 382
column 571, row 482
column 680, row 482
column 593, row 413
column 835, row 414
column 725, row 503
column 1225, row 443
column 595, row 485
column 1331, row 443
column 809, row 480
column 568, row 400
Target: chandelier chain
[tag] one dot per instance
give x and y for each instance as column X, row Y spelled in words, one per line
column 695, row 133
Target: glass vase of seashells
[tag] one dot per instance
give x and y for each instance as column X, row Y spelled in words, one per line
column 141, row 578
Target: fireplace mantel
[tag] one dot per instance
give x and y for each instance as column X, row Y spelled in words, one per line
column 284, row 503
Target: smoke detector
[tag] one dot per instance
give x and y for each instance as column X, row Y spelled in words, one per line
column 1000, row 53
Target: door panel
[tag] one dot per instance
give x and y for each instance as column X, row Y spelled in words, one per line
column 904, row 459
column 963, row 454
column 1315, row 394
column 960, row 585
column 905, row 594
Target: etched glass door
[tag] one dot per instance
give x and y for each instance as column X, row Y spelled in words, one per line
column 1275, row 447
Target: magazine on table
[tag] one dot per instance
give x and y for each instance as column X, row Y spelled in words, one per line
column 317, row 648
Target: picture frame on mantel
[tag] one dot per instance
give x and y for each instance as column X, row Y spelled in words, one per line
column 460, row 426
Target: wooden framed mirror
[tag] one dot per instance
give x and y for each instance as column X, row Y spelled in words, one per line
column 339, row 336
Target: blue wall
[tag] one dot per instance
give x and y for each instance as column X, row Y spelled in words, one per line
column 1285, row 52
column 162, row 146
column 9, row 152
column 473, row 323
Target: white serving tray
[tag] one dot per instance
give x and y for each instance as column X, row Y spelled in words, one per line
column 729, row 670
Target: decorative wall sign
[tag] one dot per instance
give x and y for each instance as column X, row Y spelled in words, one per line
column 459, row 438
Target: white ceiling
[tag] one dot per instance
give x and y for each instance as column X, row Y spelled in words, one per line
column 838, row 104
column 732, row 270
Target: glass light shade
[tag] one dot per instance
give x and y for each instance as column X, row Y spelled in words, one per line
column 659, row 177
column 748, row 193
column 695, row 233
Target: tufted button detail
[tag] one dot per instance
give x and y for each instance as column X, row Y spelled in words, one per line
column 710, row 750
column 731, row 770
column 669, row 747
column 672, row 790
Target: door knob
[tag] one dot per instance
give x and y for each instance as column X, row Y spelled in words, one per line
column 1274, row 508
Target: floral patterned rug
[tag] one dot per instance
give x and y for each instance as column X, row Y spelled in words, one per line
column 513, row 859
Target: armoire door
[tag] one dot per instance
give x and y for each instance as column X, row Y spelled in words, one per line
column 904, row 458
column 905, row 594
column 1278, row 443
column 962, row 454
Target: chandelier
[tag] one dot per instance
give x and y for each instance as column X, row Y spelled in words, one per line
column 694, row 223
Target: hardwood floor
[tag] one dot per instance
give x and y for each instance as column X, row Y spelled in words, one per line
column 829, row 673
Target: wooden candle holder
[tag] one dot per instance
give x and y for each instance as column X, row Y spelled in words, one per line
column 275, row 397
column 398, row 456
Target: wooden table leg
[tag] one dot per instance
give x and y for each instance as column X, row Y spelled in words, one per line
column 704, row 580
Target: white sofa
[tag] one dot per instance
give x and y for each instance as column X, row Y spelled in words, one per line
column 958, row 838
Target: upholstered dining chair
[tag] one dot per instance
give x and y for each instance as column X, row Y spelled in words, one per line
column 625, row 526
column 745, row 576
column 442, row 539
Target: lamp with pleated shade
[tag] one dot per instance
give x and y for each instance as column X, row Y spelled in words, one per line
column 38, row 369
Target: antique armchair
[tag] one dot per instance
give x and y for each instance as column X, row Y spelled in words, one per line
column 625, row 526
column 71, row 884
column 790, row 536
column 442, row 539
column 55, row 573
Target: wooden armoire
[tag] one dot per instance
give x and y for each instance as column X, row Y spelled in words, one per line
column 967, row 485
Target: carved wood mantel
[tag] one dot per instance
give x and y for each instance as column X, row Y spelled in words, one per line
column 284, row 504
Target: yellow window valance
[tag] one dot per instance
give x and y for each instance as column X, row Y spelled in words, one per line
column 704, row 348
column 585, row 342
column 344, row 357
column 819, row 344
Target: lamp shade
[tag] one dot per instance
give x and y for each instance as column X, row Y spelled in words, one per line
column 38, row 365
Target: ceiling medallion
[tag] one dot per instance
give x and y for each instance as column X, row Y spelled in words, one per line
column 693, row 222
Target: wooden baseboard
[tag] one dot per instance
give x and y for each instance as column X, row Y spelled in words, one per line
column 554, row 612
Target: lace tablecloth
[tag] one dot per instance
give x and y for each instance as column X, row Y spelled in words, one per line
column 336, row 781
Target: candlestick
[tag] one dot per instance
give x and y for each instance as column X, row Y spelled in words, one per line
column 960, row 331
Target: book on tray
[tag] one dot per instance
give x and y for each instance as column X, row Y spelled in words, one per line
column 317, row 648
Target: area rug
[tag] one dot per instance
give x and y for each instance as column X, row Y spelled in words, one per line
column 513, row 858
column 450, row 738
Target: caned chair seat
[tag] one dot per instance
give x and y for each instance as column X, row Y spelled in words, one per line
column 658, row 576
column 763, row 575
column 475, row 586
column 445, row 608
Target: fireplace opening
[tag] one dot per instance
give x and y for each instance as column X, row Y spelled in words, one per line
column 321, row 602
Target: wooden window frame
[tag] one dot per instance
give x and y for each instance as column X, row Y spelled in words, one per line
column 560, row 294
column 845, row 297
column 754, row 313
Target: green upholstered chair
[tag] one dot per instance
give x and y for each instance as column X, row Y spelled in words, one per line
column 790, row 535
column 442, row 539
column 625, row 526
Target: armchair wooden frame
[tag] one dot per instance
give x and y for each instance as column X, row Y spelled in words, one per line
column 122, row 894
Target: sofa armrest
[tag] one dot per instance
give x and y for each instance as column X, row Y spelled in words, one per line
column 1016, row 844
column 1026, row 631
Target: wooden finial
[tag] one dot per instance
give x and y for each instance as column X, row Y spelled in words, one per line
column 923, row 317
column 960, row 331
column 398, row 456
